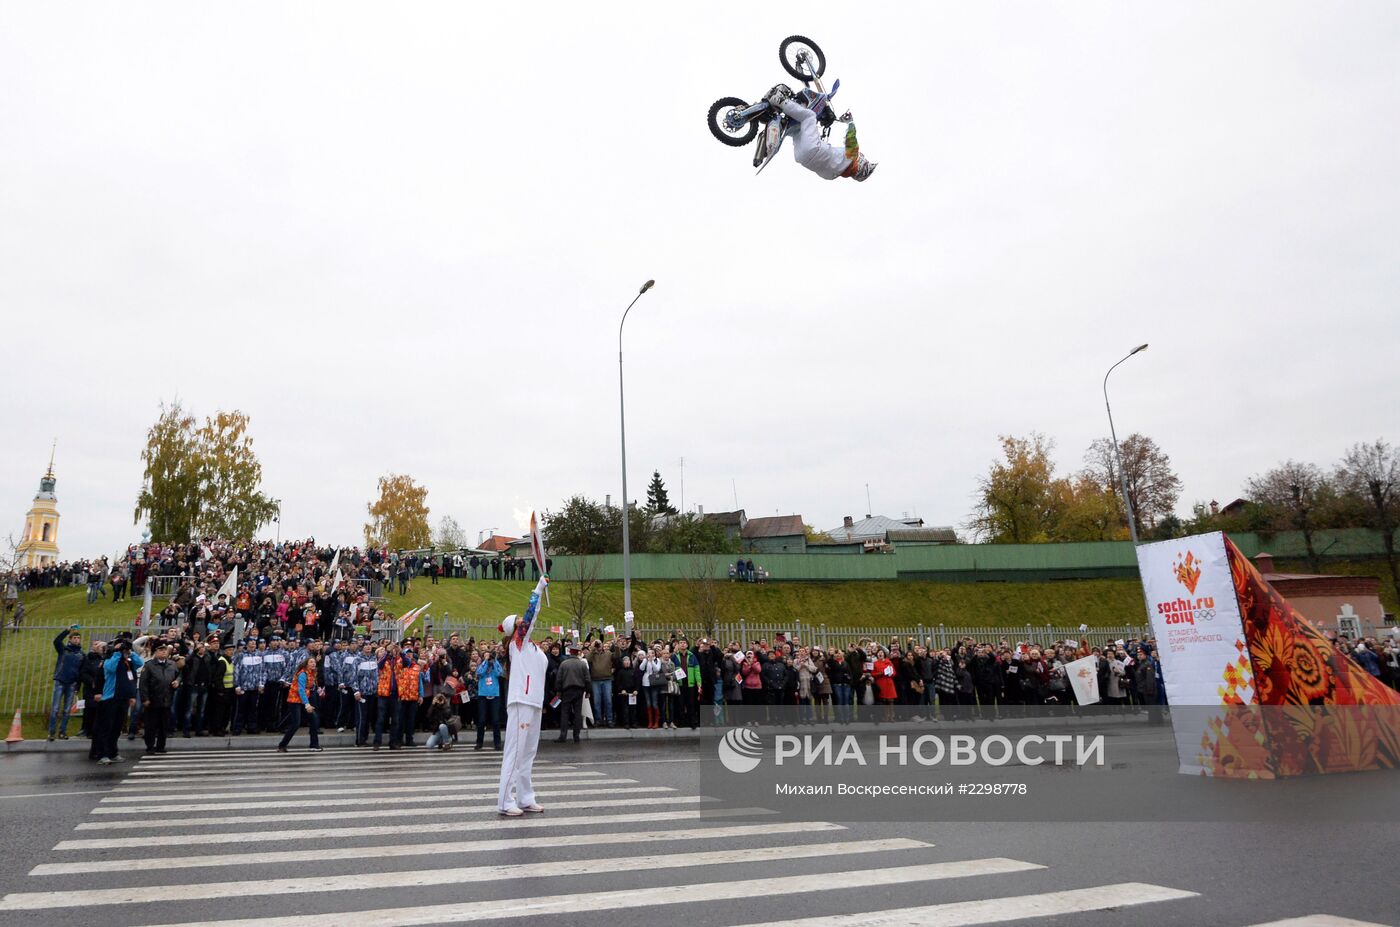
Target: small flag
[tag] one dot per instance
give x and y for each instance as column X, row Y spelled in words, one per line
column 556, row 629
column 554, row 702
column 411, row 616
column 609, row 629
column 335, row 562
column 230, row 586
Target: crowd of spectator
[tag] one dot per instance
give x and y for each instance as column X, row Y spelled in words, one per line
column 293, row 644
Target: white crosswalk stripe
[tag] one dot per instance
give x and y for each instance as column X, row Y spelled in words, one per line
column 434, row 810
column 152, row 894
column 166, row 805
column 349, row 776
column 549, row 790
column 187, row 835
column 346, row 768
column 603, row 815
column 1319, row 920
column 429, row 784
column 996, row 910
column 436, row 848
column 582, row 902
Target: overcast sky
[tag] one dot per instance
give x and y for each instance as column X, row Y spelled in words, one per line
column 401, row 238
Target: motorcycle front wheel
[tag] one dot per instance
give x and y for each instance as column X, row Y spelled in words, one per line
column 787, row 54
column 718, row 110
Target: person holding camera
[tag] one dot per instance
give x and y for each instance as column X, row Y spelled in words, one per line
column 489, row 705
column 119, row 691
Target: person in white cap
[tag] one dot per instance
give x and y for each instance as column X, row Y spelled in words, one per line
column 524, row 705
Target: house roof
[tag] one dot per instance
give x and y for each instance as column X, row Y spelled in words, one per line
column 497, row 543
column 774, row 526
column 872, row 527
column 726, row 518
column 1231, row 508
column 937, row 535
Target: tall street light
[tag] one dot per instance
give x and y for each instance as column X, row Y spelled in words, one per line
column 1122, row 477
column 622, row 415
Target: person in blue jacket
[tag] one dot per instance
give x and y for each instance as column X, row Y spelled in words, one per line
column 65, row 679
column 118, row 696
column 488, row 701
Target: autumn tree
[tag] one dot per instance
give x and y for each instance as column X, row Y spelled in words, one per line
column 658, row 500
column 1153, row 487
column 201, row 481
column 1370, row 473
column 1019, row 501
column 1087, row 512
column 399, row 517
column 1296, row 496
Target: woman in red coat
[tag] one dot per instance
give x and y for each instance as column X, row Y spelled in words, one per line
column 883, row 673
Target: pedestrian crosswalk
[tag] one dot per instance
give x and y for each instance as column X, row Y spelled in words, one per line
column 234, row 839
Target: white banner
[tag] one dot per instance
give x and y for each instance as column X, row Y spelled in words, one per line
column 1084, row 677
column 1200, row 636
column 1196, row 620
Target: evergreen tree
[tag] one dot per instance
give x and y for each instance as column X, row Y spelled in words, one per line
column 658, row 502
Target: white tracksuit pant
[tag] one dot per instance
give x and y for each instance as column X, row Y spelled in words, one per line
column 518, row 757
column 808, row 149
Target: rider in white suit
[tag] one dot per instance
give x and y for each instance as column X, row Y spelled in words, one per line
column 808, row 149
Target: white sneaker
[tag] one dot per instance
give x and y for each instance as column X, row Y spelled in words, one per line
column 534, row 809
column 511, row 812
column 105, row 761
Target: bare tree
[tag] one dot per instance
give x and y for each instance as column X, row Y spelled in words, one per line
column 579, row 576
column 1153, row 487
column 704, row 591
column 1295, row 495
column 1371, row 472
column 11, row 606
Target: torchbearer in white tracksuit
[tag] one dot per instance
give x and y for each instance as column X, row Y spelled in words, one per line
column 524, row 705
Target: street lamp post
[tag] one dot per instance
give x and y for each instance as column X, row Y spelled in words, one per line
column 277, row 519
column 1118, row 458
column 622, row 417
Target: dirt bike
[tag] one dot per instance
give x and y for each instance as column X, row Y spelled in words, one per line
column 736, row 122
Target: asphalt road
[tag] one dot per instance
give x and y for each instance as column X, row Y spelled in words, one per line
column 399, row 838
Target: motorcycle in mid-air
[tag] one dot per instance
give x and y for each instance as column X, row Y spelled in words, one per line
column 735, row 122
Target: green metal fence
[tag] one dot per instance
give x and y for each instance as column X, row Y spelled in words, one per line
column 957, row 562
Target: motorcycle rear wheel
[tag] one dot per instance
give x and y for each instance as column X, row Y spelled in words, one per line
column 792, row 44
column 718, row 129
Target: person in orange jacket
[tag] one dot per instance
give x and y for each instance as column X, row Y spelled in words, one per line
column 410, row 686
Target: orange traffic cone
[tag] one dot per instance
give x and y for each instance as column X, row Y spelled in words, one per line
column 15, row 735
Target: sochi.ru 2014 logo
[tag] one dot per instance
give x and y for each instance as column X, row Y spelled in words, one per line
column 740, row 750
column 1188, row 571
